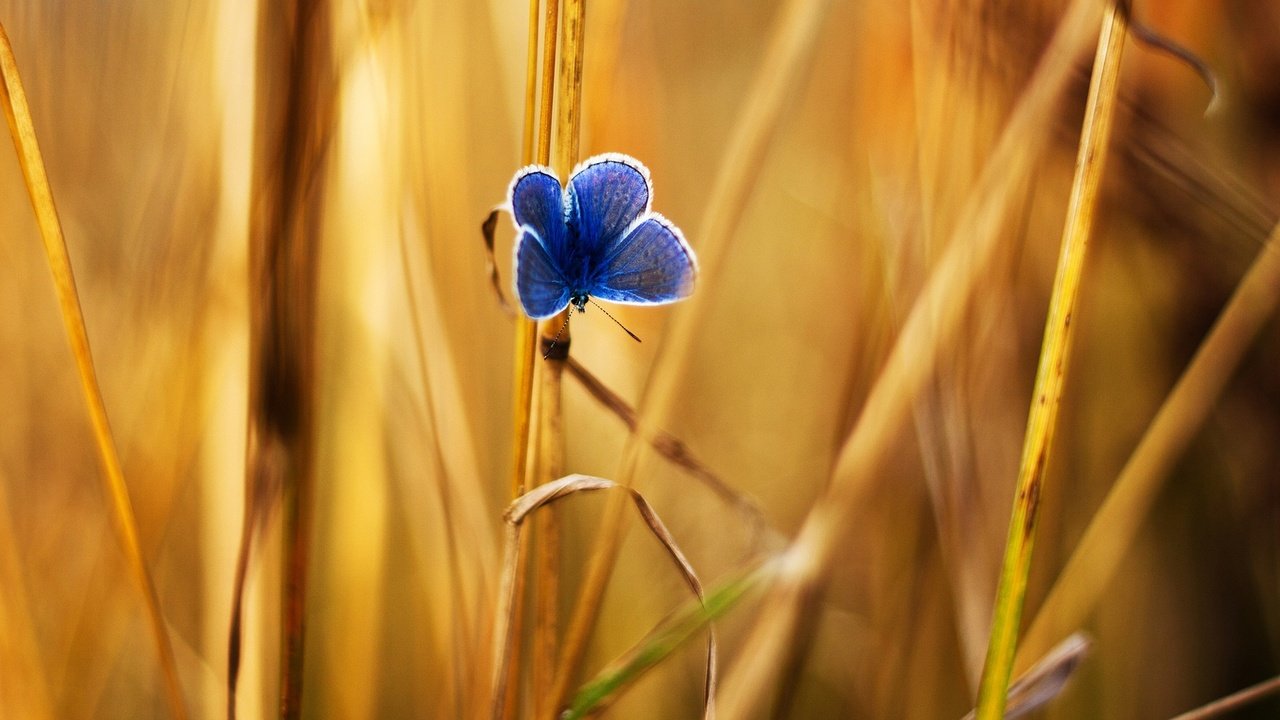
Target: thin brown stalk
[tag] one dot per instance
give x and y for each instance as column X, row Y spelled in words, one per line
column 462, row 637
column 932, row 325
column 1111, row 532
column 673, row 449
column 1054, row 357
column 296, row 109
column 1234, row 701
column 22, row 130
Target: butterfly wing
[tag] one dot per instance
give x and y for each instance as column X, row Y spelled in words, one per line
column 651, row 265
column 606, row 195
column 541, row 247
column 540, row 284
column 537, row 202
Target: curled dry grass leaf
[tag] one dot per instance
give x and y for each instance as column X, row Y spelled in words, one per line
column 542, row 496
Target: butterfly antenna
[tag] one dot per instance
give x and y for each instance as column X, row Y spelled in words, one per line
column 624, row 327
column 556, row 339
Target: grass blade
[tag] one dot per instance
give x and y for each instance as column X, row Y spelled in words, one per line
column 22, row 129
column 1234, row 701
column 665, row 639
column 1047, row 393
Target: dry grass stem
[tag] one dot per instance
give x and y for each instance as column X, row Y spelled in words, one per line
column 674, row 450
column 1054, row 357
column 1234, row 701
column 22, row 130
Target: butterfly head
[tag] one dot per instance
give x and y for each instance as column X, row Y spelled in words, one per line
column 579, row 301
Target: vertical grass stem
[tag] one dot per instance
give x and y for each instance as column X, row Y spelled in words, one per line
column 1054, row 355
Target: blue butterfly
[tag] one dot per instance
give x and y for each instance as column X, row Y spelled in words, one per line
column 599, row 239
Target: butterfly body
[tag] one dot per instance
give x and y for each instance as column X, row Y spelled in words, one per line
column 595, row 238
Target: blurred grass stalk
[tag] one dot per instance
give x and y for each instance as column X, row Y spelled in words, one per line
column 931, row 326
column 295, row 104
column 1054, row 357
column 22, row 130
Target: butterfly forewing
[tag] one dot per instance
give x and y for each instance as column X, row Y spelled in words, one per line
column 606, row 194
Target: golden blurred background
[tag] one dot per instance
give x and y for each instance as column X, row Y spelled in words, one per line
column 856, row 135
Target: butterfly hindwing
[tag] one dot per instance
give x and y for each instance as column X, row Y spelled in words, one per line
column 652, row 264
column 606, row 194
column 539, row 283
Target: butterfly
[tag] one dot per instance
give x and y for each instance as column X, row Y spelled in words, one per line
column 596, row 239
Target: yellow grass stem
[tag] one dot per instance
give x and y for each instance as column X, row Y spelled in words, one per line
column 931, row 326
column 546, row 558
column 22, row 129
column 537, row 111
column 1054, row 356
column 551, row 372
column 1111, row 532
column 530, row 121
